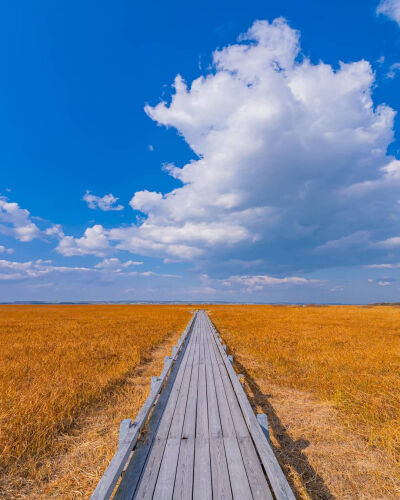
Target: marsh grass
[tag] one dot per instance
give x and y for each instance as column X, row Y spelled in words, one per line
column 346, row 355
column 59, row 361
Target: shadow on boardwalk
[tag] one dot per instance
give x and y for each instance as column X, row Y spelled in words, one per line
column 290, row 454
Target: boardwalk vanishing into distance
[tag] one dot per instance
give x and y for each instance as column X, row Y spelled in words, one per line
column 196, row 437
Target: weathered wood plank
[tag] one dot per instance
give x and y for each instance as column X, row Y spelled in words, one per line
column 219, row 468
column 258, row 484
column 202, row 466
column 189, row 425
column 164, row 486
column 214, row 425
column 202, row 470
column 149, row 478
column 202, row 411
column 184, row 473
column 237, row 472
column 166, row 477
column 183, row 488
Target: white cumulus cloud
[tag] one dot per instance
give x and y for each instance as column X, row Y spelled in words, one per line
column 106, row 203
column 14, row 270
column 390, row 8
column 4, row 249
column 115, row 265
column 16, row 221
column 291, row 163
column 393, row 71
column 256, row 283
column 383, row 266
column 384, row 283
column 93, row 242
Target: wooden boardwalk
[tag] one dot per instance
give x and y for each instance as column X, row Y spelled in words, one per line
column 202, row 440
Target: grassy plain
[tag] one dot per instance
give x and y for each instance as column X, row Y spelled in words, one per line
column 347, row 356
column 56, row 362
column 68, row 374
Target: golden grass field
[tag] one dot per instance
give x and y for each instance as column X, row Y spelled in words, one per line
column 77, row 370
column 347, row 356
column 58, row 361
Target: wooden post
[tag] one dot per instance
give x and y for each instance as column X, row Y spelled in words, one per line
column 123, row 429
column 263, row 421
column 153, row 383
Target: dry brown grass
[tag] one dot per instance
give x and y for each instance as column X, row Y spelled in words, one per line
column 88, row 447
column 59, row 363
column 346, row 359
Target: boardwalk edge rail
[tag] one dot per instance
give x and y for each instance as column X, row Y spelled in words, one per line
column 130, row 431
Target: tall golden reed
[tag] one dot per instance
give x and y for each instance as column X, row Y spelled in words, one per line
column 57, row 361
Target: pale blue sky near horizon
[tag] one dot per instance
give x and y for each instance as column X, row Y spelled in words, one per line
column 267, row 171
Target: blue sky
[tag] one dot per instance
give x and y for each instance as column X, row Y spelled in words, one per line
column 176, row 151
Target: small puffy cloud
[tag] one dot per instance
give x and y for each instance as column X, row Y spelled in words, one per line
column 16, row 221
column 357, row 239
column 383, row 266
column 393, row 71
column 390, row 8
column 256, row 283
column 13, row 270
column 132, row 263
column 390, row 242
column 145, row 201
column 201, row 290
column 93, row 242
column 385, row 281
column 115, row 265
column 105, row 203
column 55, row 230
column 153, row 273
column 3, row 249
column 150, row 274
